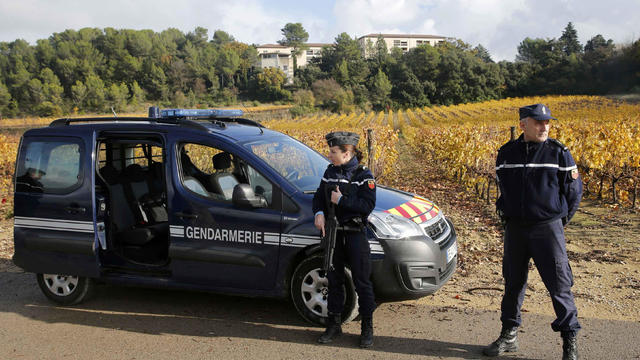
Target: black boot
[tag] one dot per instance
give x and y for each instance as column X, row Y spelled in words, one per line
column 366, row 334
column 507, row 342
column 333, row 329
column 569, row 347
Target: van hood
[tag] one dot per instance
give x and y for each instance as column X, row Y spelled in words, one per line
column 404, row 204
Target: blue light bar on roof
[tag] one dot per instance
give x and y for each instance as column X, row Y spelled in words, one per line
column 200, row 113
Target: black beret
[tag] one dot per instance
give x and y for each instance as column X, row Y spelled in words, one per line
column 342, row 138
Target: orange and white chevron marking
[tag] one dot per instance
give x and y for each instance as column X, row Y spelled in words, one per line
column 417, row 209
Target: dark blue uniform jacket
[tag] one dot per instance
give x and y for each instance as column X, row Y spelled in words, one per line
column 538, row 182
column 358, row 195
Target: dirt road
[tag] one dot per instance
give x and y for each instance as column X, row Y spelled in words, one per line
column 127, row 323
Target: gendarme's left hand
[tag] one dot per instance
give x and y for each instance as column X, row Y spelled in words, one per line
column 335, row 195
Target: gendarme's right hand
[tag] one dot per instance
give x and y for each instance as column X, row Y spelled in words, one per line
column 319, row 223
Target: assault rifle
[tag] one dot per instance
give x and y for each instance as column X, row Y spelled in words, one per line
column 330, row 232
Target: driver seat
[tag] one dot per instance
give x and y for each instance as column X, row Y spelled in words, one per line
column 223, row 181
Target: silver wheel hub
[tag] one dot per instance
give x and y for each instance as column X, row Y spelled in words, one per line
column 314, row 291
column 61, row 285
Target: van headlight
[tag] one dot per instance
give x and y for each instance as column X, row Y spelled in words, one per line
column 389, row 226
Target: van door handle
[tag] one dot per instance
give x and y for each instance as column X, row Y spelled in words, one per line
column 75, row 209
column 186, row 215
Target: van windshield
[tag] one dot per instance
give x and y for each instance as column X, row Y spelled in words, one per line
column 298, row 163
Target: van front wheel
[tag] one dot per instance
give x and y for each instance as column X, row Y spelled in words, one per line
column 310, row 290
column 65, row 289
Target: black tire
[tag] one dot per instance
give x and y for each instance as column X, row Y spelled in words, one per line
column 64, row 289
column 309, row 290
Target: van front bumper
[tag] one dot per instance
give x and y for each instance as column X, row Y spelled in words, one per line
column 414, row 267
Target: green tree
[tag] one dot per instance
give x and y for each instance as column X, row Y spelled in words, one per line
column 341, row 72
column 139, row 43
column 36, row 96
column 345, row 52
column 598, row 49
column 198, row 37
column 304, row 102
column 270, row 84
column 423, row 61
column 78, row 94
column 95, row 98
column 380, row 91
column 482, row 53
column 227, row 64
column 331, row 96
column 178, row 99
column 380, row 52
column 407, row 89
column 308, row 75
column 18, row 84
column 52, row 90
column 294, row 36
column 178, row 75
column 154, row 81
column 45, row 53
column 569, row 40
column 117, row 96
column 5, row 100
column 137, row 94
column 221, row 37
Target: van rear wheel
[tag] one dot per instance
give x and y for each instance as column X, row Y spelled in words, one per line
column 310, row 290
column 65, row 289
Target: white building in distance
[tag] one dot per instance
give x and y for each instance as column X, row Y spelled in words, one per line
column 402, row 41
column 279, row 56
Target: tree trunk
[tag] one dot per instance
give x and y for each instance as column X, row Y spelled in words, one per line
column 600, row 189
column 635, row 193
column 488, row 190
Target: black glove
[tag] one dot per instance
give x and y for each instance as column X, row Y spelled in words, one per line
column 565, row 221
column 503, row 219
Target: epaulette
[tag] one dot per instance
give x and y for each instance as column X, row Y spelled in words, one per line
column 558, row 143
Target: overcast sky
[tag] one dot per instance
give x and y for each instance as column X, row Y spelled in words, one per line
column 499, row 25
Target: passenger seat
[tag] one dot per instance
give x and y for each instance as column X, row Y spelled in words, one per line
column 133, row 224
column 223, row 181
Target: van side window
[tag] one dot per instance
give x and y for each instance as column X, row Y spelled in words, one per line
column 213, row 173
column 51, row 166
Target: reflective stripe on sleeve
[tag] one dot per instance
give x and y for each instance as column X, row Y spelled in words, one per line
column 533, row 165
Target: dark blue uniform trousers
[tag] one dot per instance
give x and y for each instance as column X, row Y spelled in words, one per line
column 544, row 243
column 352, row 248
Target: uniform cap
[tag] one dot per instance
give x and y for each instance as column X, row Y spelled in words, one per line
column 536, row 111
column 342, row 138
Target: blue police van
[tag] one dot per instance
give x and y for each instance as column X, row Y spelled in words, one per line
column 202, row 200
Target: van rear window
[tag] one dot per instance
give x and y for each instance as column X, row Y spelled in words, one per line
column 49, row 166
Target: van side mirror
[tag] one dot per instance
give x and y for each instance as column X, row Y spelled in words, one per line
column 243, row 196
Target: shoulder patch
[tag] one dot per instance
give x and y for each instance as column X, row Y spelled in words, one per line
column 558, row 143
